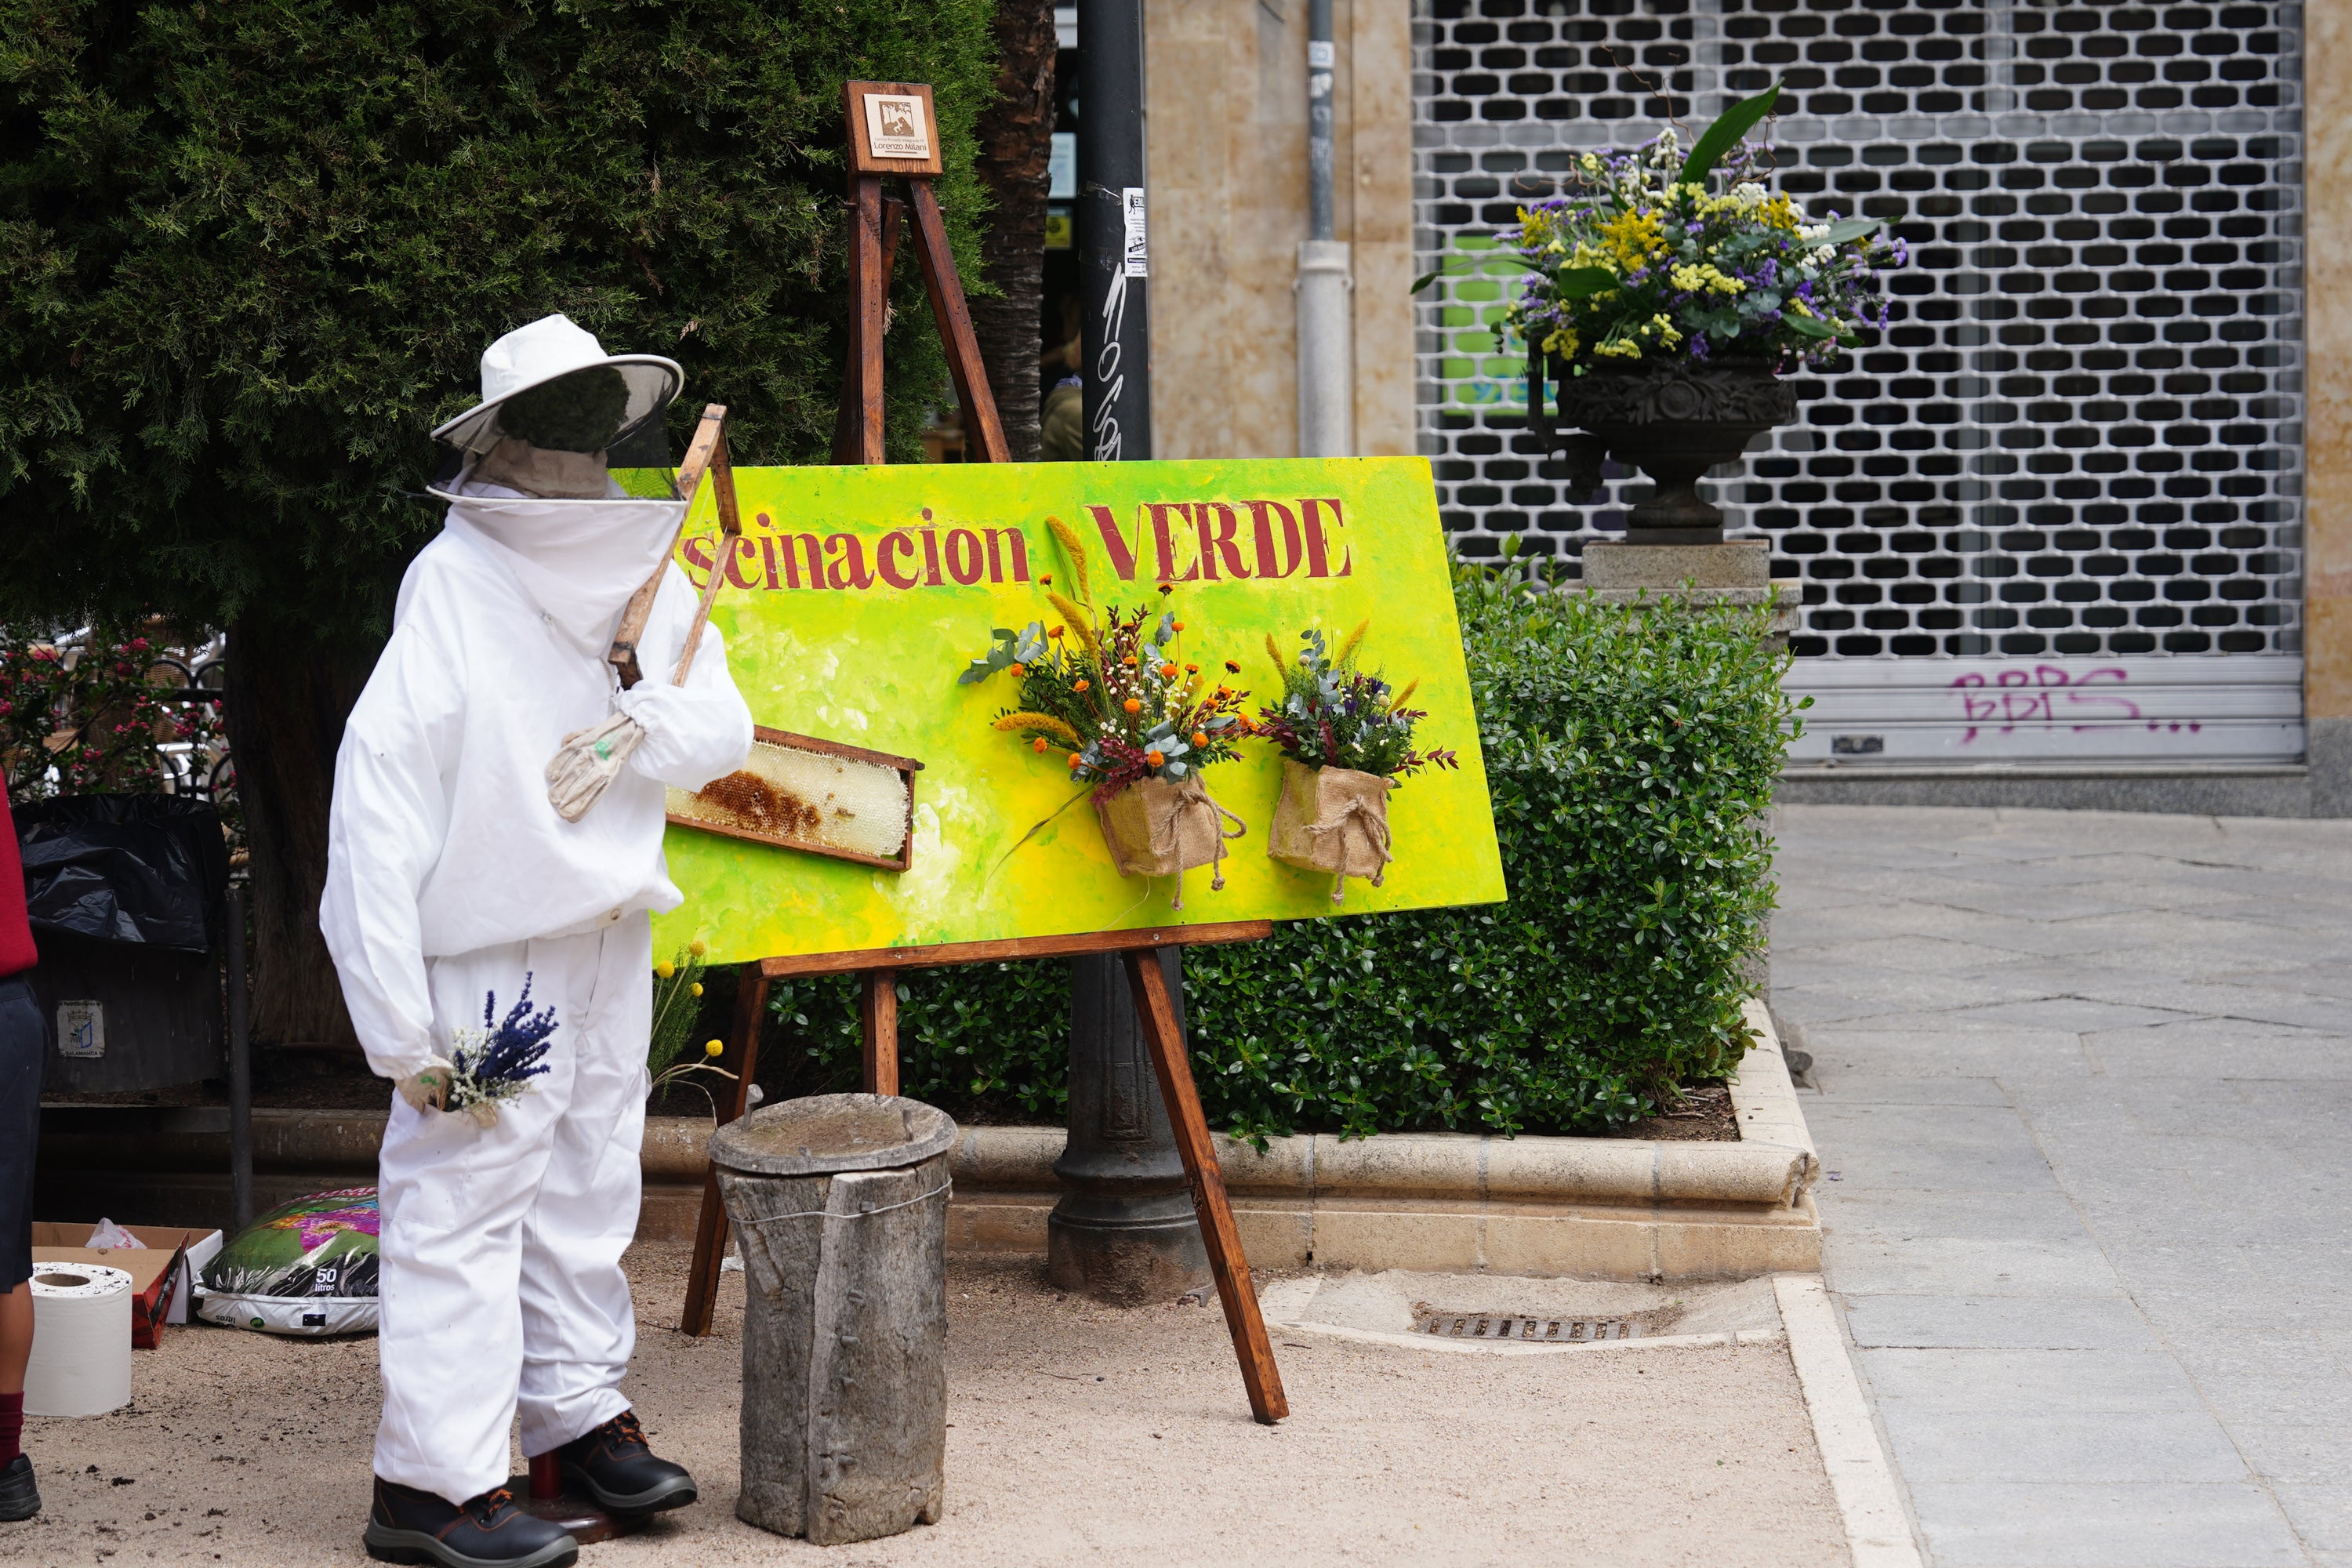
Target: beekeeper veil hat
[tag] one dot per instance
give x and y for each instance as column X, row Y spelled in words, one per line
column 551, row 385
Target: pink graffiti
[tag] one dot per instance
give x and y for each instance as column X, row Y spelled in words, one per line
column 2018, row 698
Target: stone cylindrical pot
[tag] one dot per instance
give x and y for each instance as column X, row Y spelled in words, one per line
column 840, row 1205
column 1673, row 419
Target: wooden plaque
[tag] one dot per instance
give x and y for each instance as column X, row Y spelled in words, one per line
column 892, row 129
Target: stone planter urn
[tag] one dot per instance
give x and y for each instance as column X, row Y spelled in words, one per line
column 1672, row 420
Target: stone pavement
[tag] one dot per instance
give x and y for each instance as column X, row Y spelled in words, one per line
column 2082, row 1091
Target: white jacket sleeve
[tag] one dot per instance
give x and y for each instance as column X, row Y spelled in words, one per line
column 694, row 732
column 385, row 833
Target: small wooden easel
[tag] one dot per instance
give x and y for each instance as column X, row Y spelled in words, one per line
column 892, row 136
column 899, row 122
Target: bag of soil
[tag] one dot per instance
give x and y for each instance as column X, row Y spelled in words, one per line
column 307, row 1268
column 1333, row 820
column 1159, row 827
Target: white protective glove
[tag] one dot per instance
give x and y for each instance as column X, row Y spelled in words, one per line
column 660, row 713
column 429, row 1085
column 588, row 761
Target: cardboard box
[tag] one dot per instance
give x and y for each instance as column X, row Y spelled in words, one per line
column 162, row 1275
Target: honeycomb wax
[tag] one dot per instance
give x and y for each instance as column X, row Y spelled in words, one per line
column 806, row 797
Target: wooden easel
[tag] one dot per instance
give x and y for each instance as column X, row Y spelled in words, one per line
column 874, row 224
column 858, row 438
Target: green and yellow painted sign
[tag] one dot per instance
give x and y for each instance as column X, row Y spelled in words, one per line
column 860, row 594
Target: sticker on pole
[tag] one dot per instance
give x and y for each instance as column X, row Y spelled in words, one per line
column 81, row 1029
column 1138, row 257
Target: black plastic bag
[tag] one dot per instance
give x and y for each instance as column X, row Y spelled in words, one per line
column 124, row 868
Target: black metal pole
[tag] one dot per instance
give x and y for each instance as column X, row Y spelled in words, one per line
column 1124, row 1229
column 240, row 1066
column 1114, row 251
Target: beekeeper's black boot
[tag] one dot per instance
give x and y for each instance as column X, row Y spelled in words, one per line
column 613, row 1467
column 488, row 1531
column 19, row 1498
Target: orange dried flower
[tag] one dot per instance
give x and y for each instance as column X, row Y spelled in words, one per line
column 1191, row 669
column 1083, row 685
column 1038, row 746
column 1167, row 672
column 1154, row 758
column 1178, row 624
column 1232, row 668
column 1200, row 738
column 1053, row 631
column 1019, row 670
column 1133, row 706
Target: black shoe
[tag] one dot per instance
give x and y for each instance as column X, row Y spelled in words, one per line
column 19, row 1498
column 488, row 1531
column 613, row 1468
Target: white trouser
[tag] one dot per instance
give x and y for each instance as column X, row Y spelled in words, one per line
column 500, row 1275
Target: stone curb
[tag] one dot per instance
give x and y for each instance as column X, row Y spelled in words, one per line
column 1862, row 1477
column 1773, row 1166
column 1599, row 1208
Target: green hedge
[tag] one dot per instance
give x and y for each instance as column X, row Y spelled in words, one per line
column 1631, row 754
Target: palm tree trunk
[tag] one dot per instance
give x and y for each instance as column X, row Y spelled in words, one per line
column 1015, row 144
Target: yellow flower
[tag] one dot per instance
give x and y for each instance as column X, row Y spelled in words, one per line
column 697, row 988
column 697, row 947
column 1044, row 723
column 714, row 1049
column 1707, row 276
column 1631, row 236
column 1619, row 348
column 1563, row 343
column 1068, row 537
column 664, row 969
column 1077, row 617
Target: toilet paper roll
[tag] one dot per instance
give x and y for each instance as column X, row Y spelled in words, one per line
column 81, row 1341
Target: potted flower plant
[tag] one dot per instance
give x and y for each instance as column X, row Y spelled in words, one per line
column 1666, row 293
column 1346, row 737
column 1134, row 723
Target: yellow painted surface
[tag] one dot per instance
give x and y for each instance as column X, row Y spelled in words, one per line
column 921, row 562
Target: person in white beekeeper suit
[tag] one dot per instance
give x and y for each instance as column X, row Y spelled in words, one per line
column 453, row 884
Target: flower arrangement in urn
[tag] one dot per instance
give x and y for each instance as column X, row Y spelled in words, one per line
column 1667, row 292
column 1111, row 693
column 1345, row 738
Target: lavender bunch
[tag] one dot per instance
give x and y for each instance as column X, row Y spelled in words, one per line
column 491, row 1066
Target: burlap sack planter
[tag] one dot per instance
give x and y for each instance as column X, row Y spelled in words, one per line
column 1332, row 820
column 1159, row 827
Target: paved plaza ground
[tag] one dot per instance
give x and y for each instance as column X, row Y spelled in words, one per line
column 2082, row 1094
column 1078, row 1434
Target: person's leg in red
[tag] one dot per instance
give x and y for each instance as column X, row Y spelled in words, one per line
column 22, row 1041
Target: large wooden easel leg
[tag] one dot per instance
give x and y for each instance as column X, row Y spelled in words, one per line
column 981, row 424
column 710, row 1224
column 877, row 1027
column 1157, row 1011
column 846, row 430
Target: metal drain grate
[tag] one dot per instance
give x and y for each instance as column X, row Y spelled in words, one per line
column 1540, row 1331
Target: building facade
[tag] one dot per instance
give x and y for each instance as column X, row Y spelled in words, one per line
column 2061, row 532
